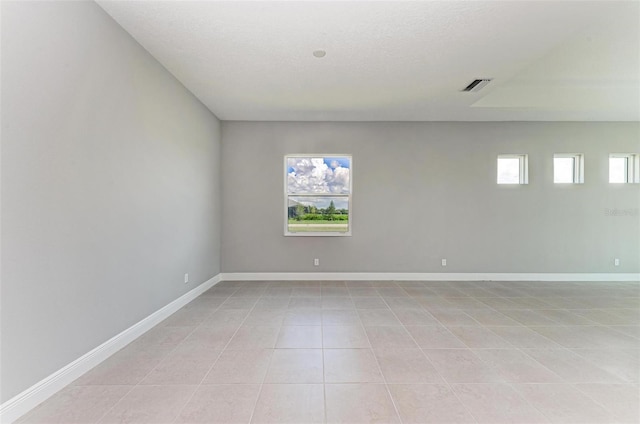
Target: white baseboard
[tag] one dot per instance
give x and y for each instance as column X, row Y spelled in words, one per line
column 22, row 403
column 436, row 276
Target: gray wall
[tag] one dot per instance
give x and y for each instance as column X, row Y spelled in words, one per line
column 426, row 191
column 110, row 186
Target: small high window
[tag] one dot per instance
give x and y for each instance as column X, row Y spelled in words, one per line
column 512, row 169
column 623, row 168
column 568, row 168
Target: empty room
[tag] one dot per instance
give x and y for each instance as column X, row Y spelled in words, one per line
column 319, row 212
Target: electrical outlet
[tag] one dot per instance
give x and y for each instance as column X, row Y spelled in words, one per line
column 616, row 262
column 444, row 262
column 316, row 262
column 186, row 278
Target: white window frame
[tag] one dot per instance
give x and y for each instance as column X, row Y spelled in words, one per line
column 523, row 172
column 633, row 167
column 287, row 195
column 578, row 167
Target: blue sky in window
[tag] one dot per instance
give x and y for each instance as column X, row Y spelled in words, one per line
column 319, row 175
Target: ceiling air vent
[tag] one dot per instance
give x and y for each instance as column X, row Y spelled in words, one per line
column 477, row 85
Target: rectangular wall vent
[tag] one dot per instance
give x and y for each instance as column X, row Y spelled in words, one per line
column 477, row 85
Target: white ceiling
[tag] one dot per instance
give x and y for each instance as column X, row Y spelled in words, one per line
column 397, row 61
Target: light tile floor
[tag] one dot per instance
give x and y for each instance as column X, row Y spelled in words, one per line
column 375, row 352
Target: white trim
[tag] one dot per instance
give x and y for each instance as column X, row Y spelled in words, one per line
column 22, row 403
column 436, row 276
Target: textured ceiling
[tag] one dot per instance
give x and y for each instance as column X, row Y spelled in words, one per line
column 397, row 61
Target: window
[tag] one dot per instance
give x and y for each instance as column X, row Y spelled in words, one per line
column 317, row 195
column 512, row 169
column 568, row 168
column 623, row 168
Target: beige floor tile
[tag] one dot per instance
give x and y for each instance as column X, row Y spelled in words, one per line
column 384, row 283
column 402, row 303
column 150, row 404
column 340, row 317
column 528, row 317
column 295, row 366
column 622, row 400
column 226, row 318
column 370, row 303
column 362, row 291
column 524, row 337
column 498, row 303
column 415, row 317
column 162, row 337
column 335, row 292
column 621, row 363
column 281, row 303
column 629, row 330
column 563, row 317
column 563, row 403
column 343, row 302
column 239, row 303
column 305, row 303
column 428, row 403
column 76, row 404
column 630, row 315
column 227, row 404
column 306, row 292
column 419, row 292
column 462, row 366
column 340, row 336
column 333, row 283
column 571, row 367
column 479, row 337
column 530, row 303
column 249, row 337
column 516, row 366
column 357, row 284
column 377, row 317
column 453, row 317
column 187, row 364
column 255, row 291
column 467, row 303
column 445, row 292
column 489, row 317
column 434, row 337
column 392, row 292
column 283, row 292
column 497, row 403
column 570, row 349
column 588, row 337
column 191, row 317
column 123, row 368
column 599, row 316
column 434, row 303
column 406, row 366
column 265, row 317
column 290, row 403
column 208, row 303
column 303, row 317
column 351, row 366
column 359, row 403
column 220, row 291
column 300, row 337
column 390, row 337
column 214, row 338
column 240, row 366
